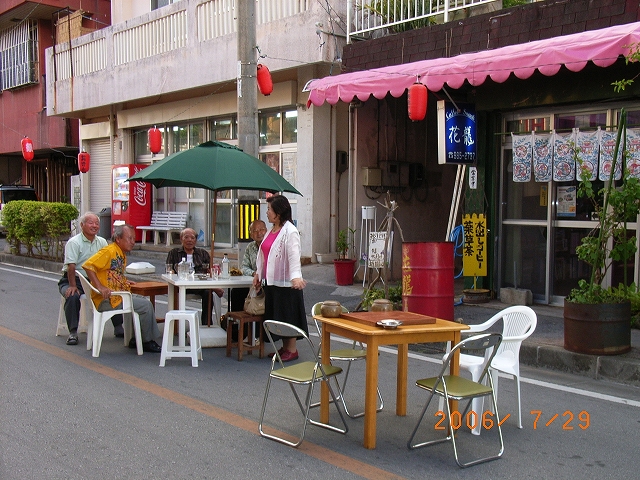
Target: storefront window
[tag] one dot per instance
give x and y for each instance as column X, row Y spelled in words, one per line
column 569, row 206
column 269, row 125
column 196, row 134
column 278, row 150
column 290, row 127
column 180, row 139
column 542, row 223
column 567, row 268
column 223, row 129
column 587, row 120
column 523, row 200
column 524, row 264
column 528, row 125
column 633, row 118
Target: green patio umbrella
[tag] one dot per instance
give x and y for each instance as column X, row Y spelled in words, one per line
column 214, row 166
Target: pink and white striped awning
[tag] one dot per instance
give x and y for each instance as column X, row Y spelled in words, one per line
column 602, row 47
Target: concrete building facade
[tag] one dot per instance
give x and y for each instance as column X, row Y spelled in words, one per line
column 27, row 29
column 176, row 67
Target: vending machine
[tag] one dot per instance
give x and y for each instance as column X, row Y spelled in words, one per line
column 130, row 201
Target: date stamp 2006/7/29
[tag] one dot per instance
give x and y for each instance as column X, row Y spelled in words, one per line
column 487, row 420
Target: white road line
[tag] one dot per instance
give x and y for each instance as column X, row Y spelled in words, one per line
column 20, row 272
column 577, row 391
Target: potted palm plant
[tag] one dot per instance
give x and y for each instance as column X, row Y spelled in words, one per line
column 344, row 264
column 597, row 317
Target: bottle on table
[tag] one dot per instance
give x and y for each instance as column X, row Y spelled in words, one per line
column 225, row 267
column 191, row 269
column 183, row 269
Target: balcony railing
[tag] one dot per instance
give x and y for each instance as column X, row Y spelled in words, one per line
column 368, row 16
column 19, row 56
column 161, row 34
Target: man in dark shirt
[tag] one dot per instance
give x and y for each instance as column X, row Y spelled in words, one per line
column 200, row 260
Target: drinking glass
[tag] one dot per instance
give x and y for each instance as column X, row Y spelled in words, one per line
column 215, row 271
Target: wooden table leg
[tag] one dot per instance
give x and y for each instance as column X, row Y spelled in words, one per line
column 324, row 389
column 371, row 396
column 241, row 325
column 229, row 338
column 401, row 382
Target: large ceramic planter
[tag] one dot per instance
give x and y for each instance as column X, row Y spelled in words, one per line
column 344, row 271
column 597, row 329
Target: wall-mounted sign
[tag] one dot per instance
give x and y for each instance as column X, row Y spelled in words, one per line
column 473, row 178
column 457, row 133
column 474, row 256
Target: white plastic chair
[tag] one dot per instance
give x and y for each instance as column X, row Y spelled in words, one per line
column 519, row 322
column 83, row 325
column 96, row 327
column 356, row 352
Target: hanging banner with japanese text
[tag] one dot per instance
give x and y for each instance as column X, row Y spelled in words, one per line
column 457, row 133
column 474, row 257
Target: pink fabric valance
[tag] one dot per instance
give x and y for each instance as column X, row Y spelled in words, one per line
column 602, row 47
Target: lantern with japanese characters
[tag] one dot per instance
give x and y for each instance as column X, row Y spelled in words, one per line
column 84, row 161
column 27, row 149
column 417, row 102
column 155, row 140
column 265, row 84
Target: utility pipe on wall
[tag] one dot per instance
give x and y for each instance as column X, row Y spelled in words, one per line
column 334, row 183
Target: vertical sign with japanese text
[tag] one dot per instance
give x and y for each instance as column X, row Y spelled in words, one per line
column 474, row 257
column 376, row 249
column 457, row 133
column 473, row 178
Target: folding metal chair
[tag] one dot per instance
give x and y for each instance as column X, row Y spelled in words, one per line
column 356, row 352
column 303, row 373
column 453, row 387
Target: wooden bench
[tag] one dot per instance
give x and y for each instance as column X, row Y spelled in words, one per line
column 167, row 222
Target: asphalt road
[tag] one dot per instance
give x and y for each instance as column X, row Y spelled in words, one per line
column 67, row 415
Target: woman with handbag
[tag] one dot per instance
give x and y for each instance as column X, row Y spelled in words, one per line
column 280, row 272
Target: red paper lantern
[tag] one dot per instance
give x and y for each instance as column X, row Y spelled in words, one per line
column 27, row 149
column 84, row 161
column 417, row 102
column 265, row 84
column 155, row 140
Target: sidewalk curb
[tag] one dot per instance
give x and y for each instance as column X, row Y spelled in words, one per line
column 30, row 262
column 613, row 368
